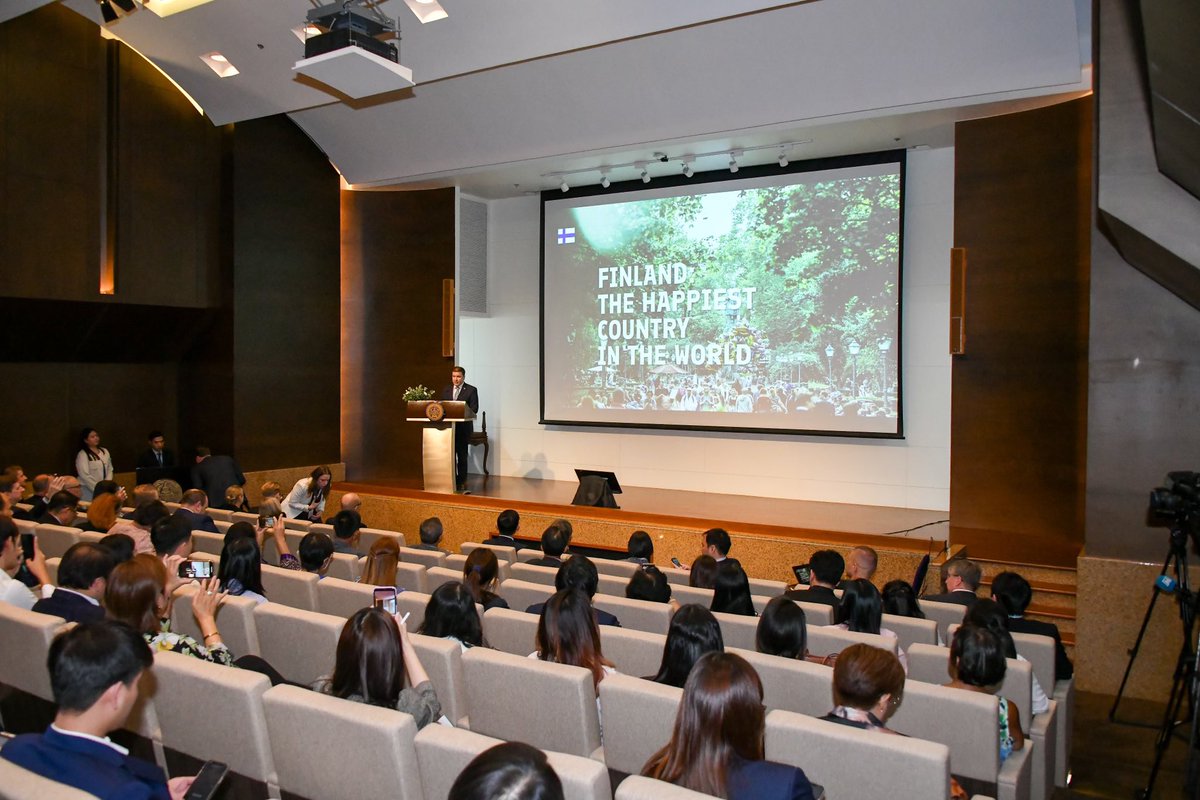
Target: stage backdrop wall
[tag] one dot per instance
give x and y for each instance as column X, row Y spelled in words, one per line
column 500, row 352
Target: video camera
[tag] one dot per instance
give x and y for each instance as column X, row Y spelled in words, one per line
column 1177, row 505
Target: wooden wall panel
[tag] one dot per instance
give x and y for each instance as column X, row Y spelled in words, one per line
column 1022, row 210
column 397, row 247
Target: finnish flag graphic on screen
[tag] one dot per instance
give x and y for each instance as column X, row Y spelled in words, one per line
column 566, row 236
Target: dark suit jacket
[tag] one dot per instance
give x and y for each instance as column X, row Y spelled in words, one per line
column 87, row 765
column 602, row 617
column 546, row 561
column 20, row 513
column 198, row 522
column 215, row 474
column 69, row 606
column 147, row 459
column 503, row 541
column 1062, row 665
column 962, row 597
column 814, row 594
column 766, row 780
column 467, row 394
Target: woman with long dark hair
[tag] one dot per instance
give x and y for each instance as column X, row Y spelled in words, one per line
column 900, row 600
column 731, row 594
column 479, row 576
column 694, row 632
column 987, row 613
column 703, row 572
column 92, row 463
column 567, row 634
column 861, row 610
column 978, row 664
column 307, row 498
column 240, row 569
column 451, row 614
column 374, row 655
column 716, row 747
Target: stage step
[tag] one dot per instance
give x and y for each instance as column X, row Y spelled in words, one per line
column 1054, row 597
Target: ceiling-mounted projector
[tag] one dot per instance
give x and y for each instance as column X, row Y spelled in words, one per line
column 351, row 51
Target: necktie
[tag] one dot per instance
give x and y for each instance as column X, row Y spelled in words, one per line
column 159, row 455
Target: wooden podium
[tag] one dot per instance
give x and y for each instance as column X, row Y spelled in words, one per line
column 437, row 442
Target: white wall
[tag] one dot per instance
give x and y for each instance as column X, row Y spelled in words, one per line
column 500, row 352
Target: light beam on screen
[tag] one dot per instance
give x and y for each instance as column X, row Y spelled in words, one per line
column 766, row 301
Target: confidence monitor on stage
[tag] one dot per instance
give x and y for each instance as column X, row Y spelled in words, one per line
column 767, row 300
column 596, row 488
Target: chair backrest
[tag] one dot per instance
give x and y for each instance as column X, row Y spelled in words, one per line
column 442, row 660
column 302, row 645
column 235, row 621
column 534, row 574
column 237, row 516
column 675, row 577
column 456, row 563
column 639, row 716
column 636, row 787
column 767, row 588
column 444, row 753
column 290, row 587
column 26, row 636
column 296, row 524
column 344, row 566
column 206, row 542
column 850, row 762
column 944, row 614
column 52, row 565
column 823, row 641
column 413, row 604
column 415, row 578
column 632, row 652
column 528, row 554
column 619, row 567
column 372, row 744
column 222, row 525
column 966, row 722
column 640, row 615
column 1040, row 652
column 21, row 784
column 341, row 598
column 219, row 514
column 524, row 699
column 910, row 630
column 510, row 631
column 790, row 684
column 503, row 553
column 740, row 631
column 367, row 537
column 684, row 594
column 214, row 713
column 612, row 585
column 436, row 576
column 321, row 527
column 54, row 540
column 520, row 595
column 929, row 663
column 424, row 558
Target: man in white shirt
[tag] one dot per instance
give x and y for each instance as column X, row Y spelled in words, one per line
column 11, row 590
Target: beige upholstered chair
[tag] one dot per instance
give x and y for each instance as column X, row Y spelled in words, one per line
column 675, row 577
column 290, row 587
column 502, row 552
column 823, row 641
column 790, row 684
column 527, row 700
column 219, row 515
column 635, row 787
column 372, row 747
column 415, row 578
column 849, row 762
column 26, row 638
column 54, row 540
column 639, row 716
column 436, row 576
column 684, row 594
column 235, row 620
column 632, row 652
column 341, row 598
column 301, row 525
column 767, row 588
column 413, row 604
column 510, row 631
column 528, row 554
column 520, row 595
column 612, row 585
column 52, row 565
column 534, row 574
column 344, row 566
column 206, row 542
column 641, row 615
column 1040, row 652
column 17, row 783
column 302, row 645
column 367, row 537
column 945, row 614
column 619, row 567
column 911, row 630
column 424, row 558
column 442, row 660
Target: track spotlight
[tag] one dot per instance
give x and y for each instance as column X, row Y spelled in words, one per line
column 687, row 169
column 564, row 185
column 604, row 181
column 783, row 162
column 645, row 176
column 733, row 165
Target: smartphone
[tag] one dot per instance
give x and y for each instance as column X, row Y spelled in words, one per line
column 803, row 574
column 196, row 569
column 385, row 598
column 266, row 522
column 678, row 564
column 27, row 545
column 208, row 779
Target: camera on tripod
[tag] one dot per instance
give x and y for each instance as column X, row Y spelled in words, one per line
column 1177, row 505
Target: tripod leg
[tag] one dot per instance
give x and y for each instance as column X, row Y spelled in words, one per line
column 1137, row 645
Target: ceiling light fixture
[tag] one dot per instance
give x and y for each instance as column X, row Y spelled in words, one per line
column 165, row 8
column 565, row 186
column 783, row 160
column 426, row 10
column 687, row 168
column 604, row 181
column 219, row 64
column 733, row 165
column 641, row 165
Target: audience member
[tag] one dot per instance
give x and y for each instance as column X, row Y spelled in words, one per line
column 316, row 552
column 213, row 474
column 192, row 508
column 144, row 494
column 960, row 577
column 861, row 611
column 13, row 490
column 95, row 670
column 507, row 525
column 978, row 664
column 156, row 456
column 102, row 513
column 716, row 747
column 480, row 575
column 716, row 544
column 11, row 557
column 825, row 570
column 508, row 771
column 1014, row 593
column 269, row 510
column 172, row 536
column 554, row 544
column 350, row 501
column 578, row 572
column 567, row 634
column 431, row 535
column 783, row 631
column 640, row 548
column 868, row 685
column 731, row 594
column 900, row 600
column 92, row 462
column 702, row 574
column 235, row 500
column 271, row 490
column 382, row 560
column 346, row 527
column 862, row 563
column 240, row 569
column 61, row 509
column 451, row 614
column 308, row 496
column 694, row 631
column 649, row 583
column 987, row 613
column 82, row 577
column 120, row 546
column 109, row 487
column 45, row 487
column 374, row 656
column 138, row 527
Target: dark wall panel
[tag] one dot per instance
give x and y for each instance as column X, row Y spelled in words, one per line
column 1022, row 209
column 397, row 248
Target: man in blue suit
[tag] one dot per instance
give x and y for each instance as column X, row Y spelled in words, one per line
column 459, row 389
column 95, row 669
column 82, row 578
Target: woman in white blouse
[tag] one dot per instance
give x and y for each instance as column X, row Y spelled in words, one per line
column 307, row 498
column 92, row 463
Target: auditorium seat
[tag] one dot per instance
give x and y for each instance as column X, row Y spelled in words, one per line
column 239, row 516
column 636, row 787
column 613, row 585
column 632, row 652
column 442, row 660
column 817, row 613
column 823, row 641
column 849, row 762
column 520, row 595
column 290, row 587
column 767, row 588
column 415, row 578
column 302, row 645
column 510, row 631
column 945, row 614
column 533, row 574
column 219, row 514
column 368, row 537
column 444, row 753
column 215, row 713
column 222, row 525
column 344, row 566
column 436, row 576
column 791, row 684
column 21, row 784
column 966, row 723
column 675, row 577
column 207, row 542
column 1040, row 652
column 334, row 749
column 551, row 706
column 910, row 630
column 413, row 604
column 503, row 553
column 457, row 562
column 619, row 567
column 234, row 617
column 684, row 594
column 52, row 569
column 321, row 527
column 301, row 525
column 54, row 540
column 528, row 554
column 340, row 598
column 26, row 636
column 641, row 615
column 639, row 716
column 425, row 558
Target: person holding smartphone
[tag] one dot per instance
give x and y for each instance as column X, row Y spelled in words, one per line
column 11, row 557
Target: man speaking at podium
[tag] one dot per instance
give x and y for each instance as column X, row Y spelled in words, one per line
column 465, row 392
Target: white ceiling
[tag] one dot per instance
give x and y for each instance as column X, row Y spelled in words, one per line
column 510, row 90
